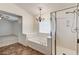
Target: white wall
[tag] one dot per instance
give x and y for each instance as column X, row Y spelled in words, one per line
column 15, row 28
column 5, row 28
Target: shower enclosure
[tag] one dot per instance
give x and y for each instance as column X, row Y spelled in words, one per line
column 64, row 28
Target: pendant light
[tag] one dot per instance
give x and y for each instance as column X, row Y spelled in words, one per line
column 39, row 19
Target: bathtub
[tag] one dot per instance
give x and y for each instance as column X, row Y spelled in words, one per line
column 40, row 42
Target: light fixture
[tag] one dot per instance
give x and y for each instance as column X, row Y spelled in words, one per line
column 3, row 17
column 39, row 19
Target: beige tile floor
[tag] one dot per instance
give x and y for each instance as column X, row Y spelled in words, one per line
column 18, row 49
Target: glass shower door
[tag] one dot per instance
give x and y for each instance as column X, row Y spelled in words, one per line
column 77, row 19
column 53, row 33
column 65, row 39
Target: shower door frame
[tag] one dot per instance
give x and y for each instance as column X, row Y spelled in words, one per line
column 55, row 40
column 55, row 33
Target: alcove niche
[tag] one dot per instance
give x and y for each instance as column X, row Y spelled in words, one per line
column 10, row 28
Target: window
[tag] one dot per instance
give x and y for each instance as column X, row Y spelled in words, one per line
column 44, row 26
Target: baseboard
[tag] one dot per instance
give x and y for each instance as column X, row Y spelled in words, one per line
column 2, row 44
column 23, row 43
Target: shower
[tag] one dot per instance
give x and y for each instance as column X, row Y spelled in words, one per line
column 76, row 14
column 66, row 38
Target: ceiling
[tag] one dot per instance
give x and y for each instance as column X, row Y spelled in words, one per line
column 33, row 8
